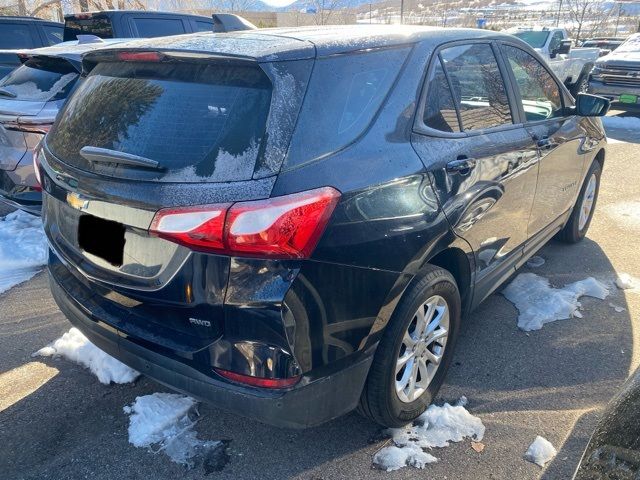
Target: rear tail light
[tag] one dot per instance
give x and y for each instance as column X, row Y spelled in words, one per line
column 258, row 381
column 36, row 166
column 281, row 227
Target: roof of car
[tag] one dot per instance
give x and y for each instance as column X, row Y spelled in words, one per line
column 19, row 18
column 80, row 15
column 275, row 44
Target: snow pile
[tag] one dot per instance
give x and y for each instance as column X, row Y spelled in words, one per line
column 77, row 348
column 535, row 262
column 540, row 451
column 540, row 303
column 23, row 248
column 163, row 422
column 30, row 91
column 436, row 427
column 624, row 281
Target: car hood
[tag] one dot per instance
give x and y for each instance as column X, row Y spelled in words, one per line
column 620, row 58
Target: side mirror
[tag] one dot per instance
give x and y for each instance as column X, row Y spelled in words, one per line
column 563, row 49
column 591, row 105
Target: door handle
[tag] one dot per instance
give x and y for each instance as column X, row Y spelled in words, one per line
column 462, row 165
column 544, row 143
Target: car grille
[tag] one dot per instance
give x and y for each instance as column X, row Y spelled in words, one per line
column 625, row 76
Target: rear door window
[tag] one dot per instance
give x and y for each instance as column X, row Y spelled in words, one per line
column 39, row 80
column 98, row 25
column 204, row 26
column 478, row 88
column 158, row 27
column 15, row 35
column 53, row 33
column 200, row 122
column 440, row 110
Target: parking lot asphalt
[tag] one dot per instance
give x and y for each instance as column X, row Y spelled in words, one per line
column 58, row 422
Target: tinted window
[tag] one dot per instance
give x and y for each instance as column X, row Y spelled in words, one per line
column 158, row 27
column 15, row 35
column 99, row 26
column 39, row 81
column 199, row 122
column 478, row 88
column 541, row 97
column 344, row 94
column 204, row 26
column 535, row 39
column 440, row 109
column 53, row 33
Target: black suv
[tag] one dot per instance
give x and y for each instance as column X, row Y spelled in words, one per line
column 133, row 24
column 293, row 222
column 24, row 32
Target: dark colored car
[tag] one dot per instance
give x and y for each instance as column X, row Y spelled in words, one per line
column 616, row 76
column 30, row 98
column 133, row 24
column 290, row 223
column 24, row 32
column 613, row 452
column 606, row 45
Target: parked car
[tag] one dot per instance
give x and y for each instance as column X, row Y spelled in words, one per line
column 571, row 65
column 30, row 98
column 613, row 451
column 289, row 224
column 617, row 76
column 24, row 32
column 133, row 24
column 605, row 44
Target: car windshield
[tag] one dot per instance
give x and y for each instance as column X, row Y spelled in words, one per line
column 39, row 80
column 632, row 44
column 535, row 39
column 98, row 25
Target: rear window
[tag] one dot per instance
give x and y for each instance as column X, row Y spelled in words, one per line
column 53, row 33
column 158, row 27
column 200, row 122
column 535, row 39
column 100, row 26
column 39, row 80
column 344, row 94
column 15, row 35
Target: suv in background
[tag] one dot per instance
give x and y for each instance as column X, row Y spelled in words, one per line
column 133, row 24
column 290, row 223
column 24, row 32
column 30, row 98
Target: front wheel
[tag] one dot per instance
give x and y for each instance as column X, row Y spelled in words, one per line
column 415, row 351
column 580, row 219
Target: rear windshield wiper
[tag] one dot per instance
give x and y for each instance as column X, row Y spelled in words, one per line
column 104, row 155
column 7, row 93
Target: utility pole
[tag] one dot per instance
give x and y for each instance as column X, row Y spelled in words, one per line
column 559, row 10
column 618, row 19
column 401, row 12
column 369, row 12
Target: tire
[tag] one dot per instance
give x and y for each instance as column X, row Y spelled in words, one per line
column 576, row 227
column 581, row 86
column 380, row 401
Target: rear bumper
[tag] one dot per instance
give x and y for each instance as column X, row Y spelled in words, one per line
column 316, row 399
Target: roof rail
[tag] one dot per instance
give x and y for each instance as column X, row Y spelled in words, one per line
column 228, row 22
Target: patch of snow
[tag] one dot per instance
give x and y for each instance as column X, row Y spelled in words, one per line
column 539, row 303
column 436, row 427
column 624, row 281
column 23, row 248
column 627, row 123
column 164, row 422
column 540, row 451
column 535, row 262
column 74, row 346
column 30, row 91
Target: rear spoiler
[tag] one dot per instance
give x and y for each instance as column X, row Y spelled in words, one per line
column 228, row 22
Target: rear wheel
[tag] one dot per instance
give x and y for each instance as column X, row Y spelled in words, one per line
column 415, row 351
column 580, row 219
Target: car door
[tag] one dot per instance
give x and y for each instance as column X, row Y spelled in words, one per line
column 557, row 136
column 481, row 160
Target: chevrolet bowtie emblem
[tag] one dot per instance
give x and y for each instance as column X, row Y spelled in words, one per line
column 76, row 201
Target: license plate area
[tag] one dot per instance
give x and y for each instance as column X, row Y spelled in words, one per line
column 102, row 238
column 626, row 98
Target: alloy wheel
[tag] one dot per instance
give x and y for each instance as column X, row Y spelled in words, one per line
column 587, row 202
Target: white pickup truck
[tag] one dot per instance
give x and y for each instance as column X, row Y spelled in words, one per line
column 571, row 65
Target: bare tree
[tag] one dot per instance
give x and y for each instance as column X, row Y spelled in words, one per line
column 588, row 15
column 324, row 9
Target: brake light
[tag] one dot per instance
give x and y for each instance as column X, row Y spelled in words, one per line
column 281, row 227
column 259, row 381
column 139, row 56
column 36, row 166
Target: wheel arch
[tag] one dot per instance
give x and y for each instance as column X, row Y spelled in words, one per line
column 455, row 261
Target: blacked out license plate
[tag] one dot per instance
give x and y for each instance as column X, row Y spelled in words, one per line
column 102, row 238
